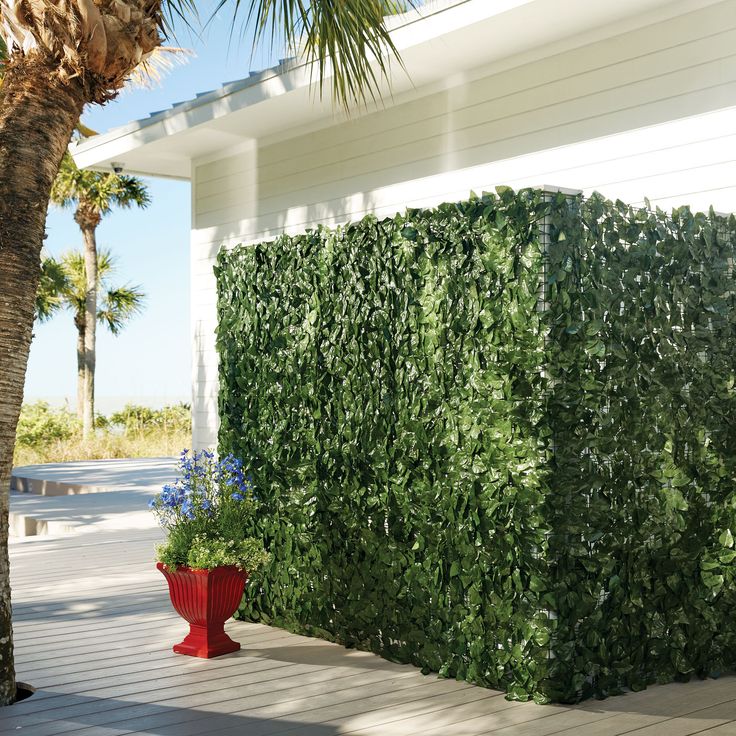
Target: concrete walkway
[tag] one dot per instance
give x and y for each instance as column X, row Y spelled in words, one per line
column 63, row 498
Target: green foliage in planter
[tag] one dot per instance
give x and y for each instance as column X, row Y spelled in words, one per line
column 205, row 553
column 456, row 474
column 206, row 513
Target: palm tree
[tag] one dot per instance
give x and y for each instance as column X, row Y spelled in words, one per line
column 65, row 54
column 93, row 195
column 64, row 285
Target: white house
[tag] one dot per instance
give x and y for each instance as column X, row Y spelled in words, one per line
column 632, row 98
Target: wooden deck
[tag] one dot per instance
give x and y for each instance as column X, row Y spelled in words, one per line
column 93, row 633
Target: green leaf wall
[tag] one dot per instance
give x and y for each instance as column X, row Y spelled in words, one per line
column 495, row 439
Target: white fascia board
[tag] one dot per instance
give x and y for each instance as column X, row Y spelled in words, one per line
column 435, row 42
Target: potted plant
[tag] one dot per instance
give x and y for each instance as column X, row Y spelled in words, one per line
column 207, row 557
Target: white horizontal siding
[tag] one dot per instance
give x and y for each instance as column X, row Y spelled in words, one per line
column 640, row 114
column 206, row 394
column 204, row 438
column 609, row 65
column 537, row 106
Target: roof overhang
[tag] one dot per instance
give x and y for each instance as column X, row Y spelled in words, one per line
column 439, row 44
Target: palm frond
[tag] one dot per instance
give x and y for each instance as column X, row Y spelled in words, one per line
column 126, row 191
column 347, row 37
column 151, row 71
column 119, row 305
column 65, row 187
column 84, row 131
column 12, row 32
column 106, row 265
column 174, row 12
column 52, row 288
column 396, row 7
column 76, row 274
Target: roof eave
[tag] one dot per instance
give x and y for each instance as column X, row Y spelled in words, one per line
column 434, row 44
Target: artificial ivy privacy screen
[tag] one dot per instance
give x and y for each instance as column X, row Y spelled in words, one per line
column 495, row 439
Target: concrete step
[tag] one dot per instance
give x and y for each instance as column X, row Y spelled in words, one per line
column 64, row 498
column 32, row 515
column 93, row 476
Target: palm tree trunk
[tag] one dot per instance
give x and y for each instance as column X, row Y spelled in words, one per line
column 81, row 386
column 37, row 117
column 90, row 330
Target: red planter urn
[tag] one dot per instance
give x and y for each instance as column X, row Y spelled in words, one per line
column 206, row 599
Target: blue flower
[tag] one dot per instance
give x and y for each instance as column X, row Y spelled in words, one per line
column 202, row 483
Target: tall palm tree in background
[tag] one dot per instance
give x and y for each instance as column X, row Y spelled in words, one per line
column 64, row 54
column 93, row 195
column 63, row 285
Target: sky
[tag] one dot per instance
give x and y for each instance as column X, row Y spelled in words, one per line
column 149, row 362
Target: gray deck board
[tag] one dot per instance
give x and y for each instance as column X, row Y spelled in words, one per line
column 727, row 729
column 94, row 629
